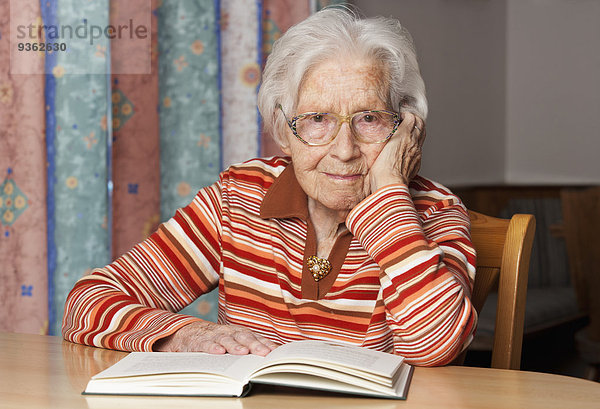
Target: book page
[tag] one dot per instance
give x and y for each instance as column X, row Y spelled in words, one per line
column 136, row 402
column 150, row 363
column 398, row 389
column 352, row 357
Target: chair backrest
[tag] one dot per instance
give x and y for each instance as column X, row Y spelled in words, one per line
column 503, row 250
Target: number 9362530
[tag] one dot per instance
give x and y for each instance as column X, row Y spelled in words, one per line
column 43, row 47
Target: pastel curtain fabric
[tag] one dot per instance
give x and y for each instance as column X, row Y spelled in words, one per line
column 241, row 68
column 135, row 135
column 77, row 153
column 190, row 123
column 23, row 265
column 278, row 16
column 93, row 158
column 189, row 92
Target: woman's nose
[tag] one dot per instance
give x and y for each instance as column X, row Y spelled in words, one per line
column 345, row 146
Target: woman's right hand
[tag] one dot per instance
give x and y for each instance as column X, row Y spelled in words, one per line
column 215, row 339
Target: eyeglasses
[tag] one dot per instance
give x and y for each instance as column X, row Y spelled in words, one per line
column 320, row 128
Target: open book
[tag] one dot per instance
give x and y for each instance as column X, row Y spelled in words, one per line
column 301, row 364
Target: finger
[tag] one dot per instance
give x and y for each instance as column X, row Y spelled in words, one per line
column 408, row 123
column 262, row 346
column 256, row 343
column 270, row 344
column 419, row 125
column 258, row 348
column 418, row 128
column 416, row 165
column 422, row 132
column 209, row 346
column 233, row 346
column 416, row 131
column 253, row 343
column 422, row 139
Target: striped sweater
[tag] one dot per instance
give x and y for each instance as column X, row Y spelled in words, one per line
column 401, row 277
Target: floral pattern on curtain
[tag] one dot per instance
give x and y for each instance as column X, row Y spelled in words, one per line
column 78, row 234
column 23, row 265
column 93, row 158
column 135, row 141
column 189, row 110
column 241, row 69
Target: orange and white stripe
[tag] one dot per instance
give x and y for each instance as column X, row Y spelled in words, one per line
column 404, row 285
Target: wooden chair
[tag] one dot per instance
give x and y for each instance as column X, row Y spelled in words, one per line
column 503, row 249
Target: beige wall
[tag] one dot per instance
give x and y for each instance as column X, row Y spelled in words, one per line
column 493, row 78
column 553, row 92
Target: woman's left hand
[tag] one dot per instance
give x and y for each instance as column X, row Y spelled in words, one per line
column 400, row 159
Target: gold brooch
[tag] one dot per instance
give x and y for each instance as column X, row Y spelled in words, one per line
column 319, row 267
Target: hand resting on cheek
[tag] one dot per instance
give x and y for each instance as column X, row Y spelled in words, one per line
column 400, row 159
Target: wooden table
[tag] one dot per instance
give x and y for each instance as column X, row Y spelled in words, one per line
column 46, row 372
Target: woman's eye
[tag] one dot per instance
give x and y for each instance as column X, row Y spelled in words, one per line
column 369, row 118
column 318, row 118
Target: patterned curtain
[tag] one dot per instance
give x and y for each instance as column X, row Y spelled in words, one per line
column 189, row 109
column 135, row 132
column 241, row 67
column 277, row 17
column 112, row 140
column 77, row 152
column 23, row 265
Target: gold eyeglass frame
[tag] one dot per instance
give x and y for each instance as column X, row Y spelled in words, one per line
column 341, row 119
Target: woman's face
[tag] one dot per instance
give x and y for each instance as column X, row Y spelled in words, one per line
column 336, row 175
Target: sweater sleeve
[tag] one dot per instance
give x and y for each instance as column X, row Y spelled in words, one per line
column 427, row 270
column 133, row 301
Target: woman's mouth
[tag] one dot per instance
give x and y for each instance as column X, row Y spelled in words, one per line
column 344, row 177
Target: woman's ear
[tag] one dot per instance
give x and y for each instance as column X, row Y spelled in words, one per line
column 285, row 146
column 283, row 142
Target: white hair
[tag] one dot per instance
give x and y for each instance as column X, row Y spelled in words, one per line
column 332, row 33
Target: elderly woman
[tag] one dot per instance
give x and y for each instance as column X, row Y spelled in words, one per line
column 339, row 241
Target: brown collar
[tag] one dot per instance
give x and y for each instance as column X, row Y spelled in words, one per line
column 285, row 198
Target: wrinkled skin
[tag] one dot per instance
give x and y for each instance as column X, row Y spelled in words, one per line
column 215, row 339
column 336, row 177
